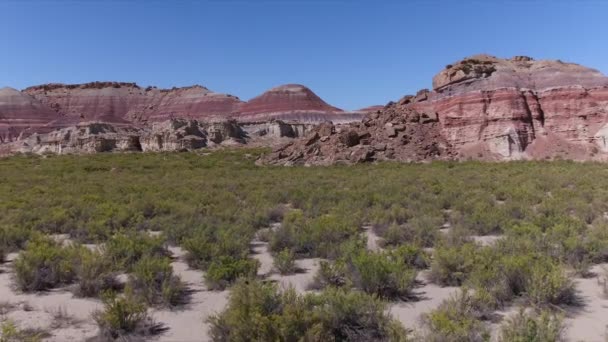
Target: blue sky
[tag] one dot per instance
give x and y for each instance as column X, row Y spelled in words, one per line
column 351, row 53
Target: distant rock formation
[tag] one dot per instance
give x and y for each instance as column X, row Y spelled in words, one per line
column 292, row 103
column 482, row 107
column 94, row 137
column 20, row 112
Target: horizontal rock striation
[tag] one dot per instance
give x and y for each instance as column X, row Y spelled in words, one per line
column 494, row 108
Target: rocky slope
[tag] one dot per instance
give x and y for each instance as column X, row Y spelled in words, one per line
column 482, row 107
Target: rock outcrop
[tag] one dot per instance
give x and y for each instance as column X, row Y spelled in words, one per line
column 94, row 137
column 395, row 133
column 482, row 107
column 492, row 108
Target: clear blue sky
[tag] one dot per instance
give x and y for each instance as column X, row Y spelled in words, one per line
column 352, row 53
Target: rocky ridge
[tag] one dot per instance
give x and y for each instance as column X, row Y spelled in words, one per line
column 481, row 107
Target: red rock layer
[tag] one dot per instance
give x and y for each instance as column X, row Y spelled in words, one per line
column 19, row 112
column 119, row 102
column 292, row 102
column 500, row 107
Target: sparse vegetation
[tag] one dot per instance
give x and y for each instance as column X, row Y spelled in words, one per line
column 552, row 225
column 284, row 262
column 124, row 316
column 259, row 312
column 533, row 327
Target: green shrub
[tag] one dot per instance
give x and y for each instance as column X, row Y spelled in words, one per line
column 383, row 274
column 259, row 312
column 204, row 247
column 548, row 284
column 457, row 319
column 225, row 270
column 94, row 274
column 124, row 316
column 528, row 327
column 452, row 265
column 284, row 262
column 329, row 274
column 44, row 265
column 126, row 248
column 9, row 332
column 153, row 281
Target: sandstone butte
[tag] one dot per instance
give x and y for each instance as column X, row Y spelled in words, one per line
column 481, row 107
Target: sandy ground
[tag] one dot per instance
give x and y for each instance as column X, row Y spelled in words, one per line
column 410, row 314
column 65, row 317
column 189, row 323
column 307, row 268
column 373, row 240
column 69, row 319
column 589, row 322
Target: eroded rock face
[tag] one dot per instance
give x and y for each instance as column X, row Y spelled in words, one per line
column 90, row 137
column 94, row 137
column 492, row 108
column 116, row 101
column 20, row 112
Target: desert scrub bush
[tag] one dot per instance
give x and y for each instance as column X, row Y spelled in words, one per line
column 124, row 249
column 330, row 274
column 384, row 274
column 259, row 312
column 226, row 270
column 9, row 332
column 94, row 274
column 452, row 265
column 548, row 284
column 205, row 246
column 313, row 237
column 44, row 265
column 457, row 319
column 13, row 238
column 533, row 327
column 285, row 262
column 153, row 281
column 124, row 316
column 412, row 255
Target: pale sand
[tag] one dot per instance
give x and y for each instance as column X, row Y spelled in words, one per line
column 36, row 310
column 486, row 240
column 410, row 314
column 589, row 322
column 373, row 240
column 188, row 323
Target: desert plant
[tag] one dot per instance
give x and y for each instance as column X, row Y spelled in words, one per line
column 531, row 327
column 329, row 274
column 124, row 316
column 382, row 274
column 153, row 281
column 284, row 262
column 124, row 249
column 452, row 265
column 44, row 265
column 548, row 284
column 226, row 270
column 9, row 332
column 94, row 274
column 259, row 312
column 457, row 319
